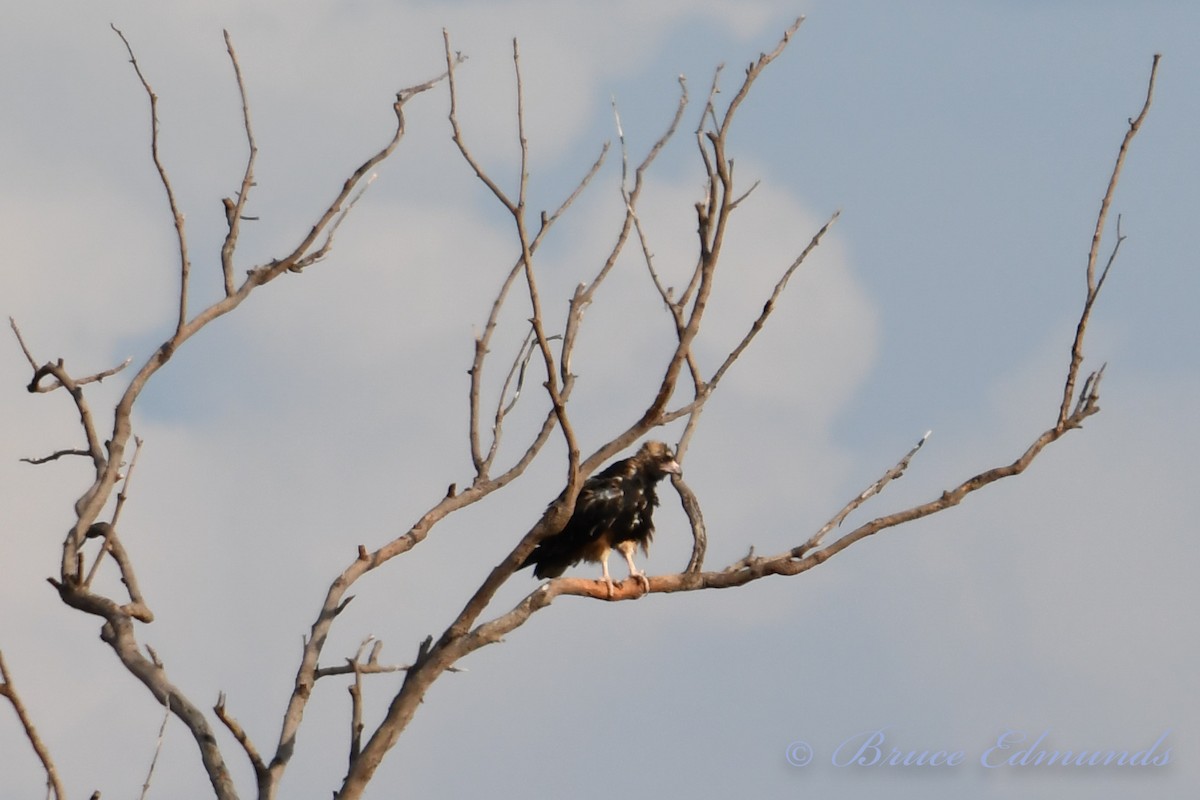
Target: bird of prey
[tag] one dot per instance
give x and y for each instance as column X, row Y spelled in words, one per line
column 613, row 510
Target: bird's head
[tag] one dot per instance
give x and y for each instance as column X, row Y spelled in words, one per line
column 659, row 460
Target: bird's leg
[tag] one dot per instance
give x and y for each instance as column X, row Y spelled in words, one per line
column 607, row 578
column 627, row 549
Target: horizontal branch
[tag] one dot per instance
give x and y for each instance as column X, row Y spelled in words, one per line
column 351, row 667
column 57, row 454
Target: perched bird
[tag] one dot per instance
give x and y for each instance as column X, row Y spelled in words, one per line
column 613, row 511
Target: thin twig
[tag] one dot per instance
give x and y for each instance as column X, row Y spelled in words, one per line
column 519, row 366
column 8, row 690
column 58, row 371
column 162, row 732
column 538, row 319
column 481, row 462
column 517, row 210
column 865, row 495
column 38, row 387
column 356, row 704
column 118, row 630
column 122, row 496
column 234, row 209
column 691, row 507
column 456, row 131
column 631, row 194
column 1093, row 286
column 327, row 244
column 769, row 305
column 176, row 215
column 57, row 454
column 21, row 341
column 516, row 370
column 753, row 71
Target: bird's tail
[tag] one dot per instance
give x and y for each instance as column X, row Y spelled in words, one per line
column 544, row 564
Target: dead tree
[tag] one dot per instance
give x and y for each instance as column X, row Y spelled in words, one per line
column 548, row 354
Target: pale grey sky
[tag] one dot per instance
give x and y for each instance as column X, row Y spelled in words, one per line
column 967, row 145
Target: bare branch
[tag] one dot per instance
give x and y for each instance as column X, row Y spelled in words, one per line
column 118, row 630
column 303, row 255
column 456, row 642
column 58, row 371
column 467, row 632
column 239, row 733
column 865, row 495
column 57, row 454
column 713, row 216
column 482, row 342
column 535, row 303
column 306, row 674
column 327, row 244
column 517, row 210
column 36, row 385
column 107, row 530
column 691, row 507
column 524, row 265
column 1093, row 286
column 21, row 341
column 753, row 72
column 459, row 638
column 136, row 607
column 352, row 667
column 738, row 201
column 118, row 633
column 584, row 293
column 8, row 690
column 769, row 306
column 88, row 506
column 631, row 194
column 176, row 215
column 519, row 366
column 162, row 731
column 356, row 715
column 356, row 697
column 518, row 369
column 99, row 376
column 548, row 220
column 234, row 209
column 456, row 131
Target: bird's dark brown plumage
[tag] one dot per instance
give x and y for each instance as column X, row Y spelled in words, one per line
column 614, row 511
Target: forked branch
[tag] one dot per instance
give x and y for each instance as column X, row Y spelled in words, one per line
column 107, row 456
column 470, row 630
column 1094, row 285
column 464, row 634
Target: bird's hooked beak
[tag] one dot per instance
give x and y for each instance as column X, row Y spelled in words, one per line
column 672, row 468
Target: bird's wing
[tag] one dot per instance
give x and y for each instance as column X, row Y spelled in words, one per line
column 598, row 508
